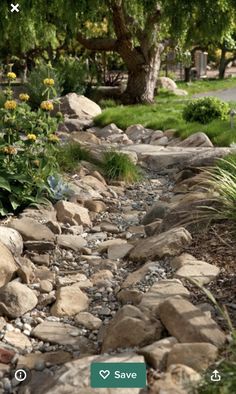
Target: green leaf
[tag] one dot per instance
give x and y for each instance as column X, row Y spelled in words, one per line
column 4, row 184
column 3, row 211
column 14, row 202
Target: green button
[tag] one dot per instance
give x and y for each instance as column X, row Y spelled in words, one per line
column 118, row 375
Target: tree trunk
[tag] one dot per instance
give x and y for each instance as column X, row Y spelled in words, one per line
column 142, row 81
column 187, row 74
column 223, row 64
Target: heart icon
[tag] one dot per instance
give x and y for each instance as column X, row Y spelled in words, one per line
column 104, row 374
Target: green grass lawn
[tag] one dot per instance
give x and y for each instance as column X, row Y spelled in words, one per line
column 166, row 113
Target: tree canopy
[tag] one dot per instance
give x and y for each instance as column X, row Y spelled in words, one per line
column 138, row 30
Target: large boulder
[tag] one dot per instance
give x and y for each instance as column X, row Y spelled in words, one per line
column 166, row 83
column 74, row 105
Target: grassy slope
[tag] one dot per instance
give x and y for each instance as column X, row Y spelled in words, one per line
column 166, row 113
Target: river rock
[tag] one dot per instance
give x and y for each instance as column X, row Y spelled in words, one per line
column 12, row 240
column 130, row 328
column 195, row 140
column 188, row 323
column 156, row 353
column 32, row 230
column 198, row 356
column 89, row 321
column 17, row 339
column 169, row 243
column 7, row 265
column 64, row 305
column 162, row 290
column 189, row 267
column 68, row 212
column 56, row 332
column 53, row 358
column 68, row 241
column 16, row 299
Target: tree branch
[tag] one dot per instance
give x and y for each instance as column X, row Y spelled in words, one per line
column 98, row 44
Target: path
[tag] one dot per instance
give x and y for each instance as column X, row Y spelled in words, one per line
column 226, row 94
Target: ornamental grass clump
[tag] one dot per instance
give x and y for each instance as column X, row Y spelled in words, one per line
column 28, row 149
column 221, row 184
column 119, row 166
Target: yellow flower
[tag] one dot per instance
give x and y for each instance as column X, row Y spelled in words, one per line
column 48, row 82
column 46, row 106
column 36, row 163
column 31, row 137
column 53, row 138
column 11, row 75
column 24, row 97
column 10, row 104
column 11, row 150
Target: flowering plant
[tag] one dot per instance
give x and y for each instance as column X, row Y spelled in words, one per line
column 28, row 146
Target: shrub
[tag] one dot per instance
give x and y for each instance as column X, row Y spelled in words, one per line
column 73, row 75
column 35, row 87
column 118, row 166
column 27, row 153
column 69, row 155
column 206, row 109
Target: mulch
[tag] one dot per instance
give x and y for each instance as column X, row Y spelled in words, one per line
column 217, row 245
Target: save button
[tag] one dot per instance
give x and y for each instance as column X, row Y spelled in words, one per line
column 118, row 375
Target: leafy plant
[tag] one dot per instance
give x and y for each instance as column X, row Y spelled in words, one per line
column 60, row 189
column 118, row 166
column 206, row 109
column 35, row 87
column 28, row 148
column 70, row 154
column 73, row 74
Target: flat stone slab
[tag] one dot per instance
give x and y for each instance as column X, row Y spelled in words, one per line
column 162, row 290
column 55, row 332
column 161, row 158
